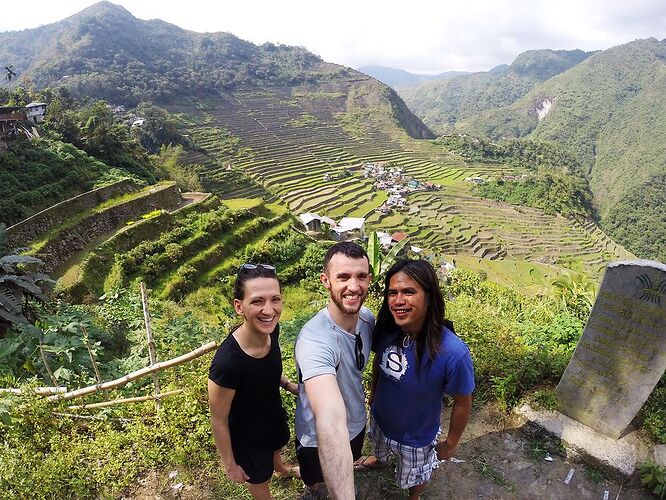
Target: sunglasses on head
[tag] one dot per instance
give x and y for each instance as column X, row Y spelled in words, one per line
column 250, row 267
column 358, row 352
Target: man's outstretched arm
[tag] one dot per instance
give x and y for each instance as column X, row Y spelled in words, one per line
column 335, row 453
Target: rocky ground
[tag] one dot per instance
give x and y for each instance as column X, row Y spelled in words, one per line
column 503, row 458
column 506, row 458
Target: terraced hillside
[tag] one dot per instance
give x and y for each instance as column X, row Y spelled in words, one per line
column 291, row 138
column 306, row 146
column 186, row 250
column 452, row 222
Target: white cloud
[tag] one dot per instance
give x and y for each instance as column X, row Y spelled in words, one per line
column 425, row 36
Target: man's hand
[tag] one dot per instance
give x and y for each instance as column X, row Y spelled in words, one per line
column 462, row 406
column 445, row 450
column 236, row 473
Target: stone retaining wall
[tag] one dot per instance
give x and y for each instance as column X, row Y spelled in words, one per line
column 22, row 233
column 73, row 239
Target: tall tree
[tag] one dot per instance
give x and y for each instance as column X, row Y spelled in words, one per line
column 10, row 73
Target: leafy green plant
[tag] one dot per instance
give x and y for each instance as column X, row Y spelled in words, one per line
column 18, row 286
column 653, row 477
column 380, row 263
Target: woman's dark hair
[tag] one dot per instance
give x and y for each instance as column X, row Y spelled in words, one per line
column 430, row 337
column 251, row 271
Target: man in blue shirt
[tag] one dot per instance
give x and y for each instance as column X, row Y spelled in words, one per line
column 418, row 359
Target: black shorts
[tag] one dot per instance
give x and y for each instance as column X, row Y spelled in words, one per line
column 258, row 464
column 308, row 459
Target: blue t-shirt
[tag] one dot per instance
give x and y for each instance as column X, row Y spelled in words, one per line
column 407, row 404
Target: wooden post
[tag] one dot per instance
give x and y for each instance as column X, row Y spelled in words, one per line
column 151, row 345
column 86, row 341
column 46, row 363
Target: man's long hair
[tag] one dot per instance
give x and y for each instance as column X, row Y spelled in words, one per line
column 430, row 337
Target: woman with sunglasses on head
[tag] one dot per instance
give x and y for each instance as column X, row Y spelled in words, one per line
column 249, row 424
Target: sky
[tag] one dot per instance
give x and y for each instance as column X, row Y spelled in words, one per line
column 426, row 36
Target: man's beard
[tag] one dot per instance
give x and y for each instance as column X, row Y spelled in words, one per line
column 339, row 302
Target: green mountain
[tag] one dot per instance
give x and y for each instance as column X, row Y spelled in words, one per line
column 399, row 77
column 442, row 104
column 610, row 111
column 105, row 52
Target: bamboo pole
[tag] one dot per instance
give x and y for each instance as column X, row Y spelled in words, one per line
column 84, row 391
column 124, row 400
column 40, row 391
column 86, row 341
column 91, row 417
column 152, row 355
column 46, row 363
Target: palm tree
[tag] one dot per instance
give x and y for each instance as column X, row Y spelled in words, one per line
column 10, row 72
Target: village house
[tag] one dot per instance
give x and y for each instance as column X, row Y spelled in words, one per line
column 349, row 228
column 385, row 239
column 475, row 180
column 313, row 221
column 13, row 120
column 352, row 227
column 384, row 209
column 35, row 112
column 10, row 120
column 396, row 200
column 398, row 236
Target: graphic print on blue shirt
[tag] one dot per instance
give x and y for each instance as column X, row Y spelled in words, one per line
column 407, row 404
column 394, row 362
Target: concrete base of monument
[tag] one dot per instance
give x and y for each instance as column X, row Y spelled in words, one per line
column 659, row 455
column 618, row 456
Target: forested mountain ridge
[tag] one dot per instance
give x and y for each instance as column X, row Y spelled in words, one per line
column 105, row 52
column 442, row 104
column 609, row 111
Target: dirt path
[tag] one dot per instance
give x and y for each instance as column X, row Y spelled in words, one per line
column 505, row 459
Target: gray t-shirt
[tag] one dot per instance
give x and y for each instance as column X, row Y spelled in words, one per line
column 323, row 348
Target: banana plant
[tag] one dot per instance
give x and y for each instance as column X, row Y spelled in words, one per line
column 380, row 263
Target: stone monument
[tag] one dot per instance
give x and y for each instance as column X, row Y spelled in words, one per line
column 622, row 353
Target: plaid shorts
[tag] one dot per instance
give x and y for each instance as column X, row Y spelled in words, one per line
column 415, row 465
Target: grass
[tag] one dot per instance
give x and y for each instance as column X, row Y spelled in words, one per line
column 108, row 204
column 594, row 475
column 487, row 470
column 296, row 299
column 238, row 203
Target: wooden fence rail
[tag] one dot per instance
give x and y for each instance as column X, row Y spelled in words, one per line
column 124, row 400
column 135, row 375
column 41, row 391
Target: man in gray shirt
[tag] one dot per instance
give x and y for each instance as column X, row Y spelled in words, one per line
column 332, row 350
